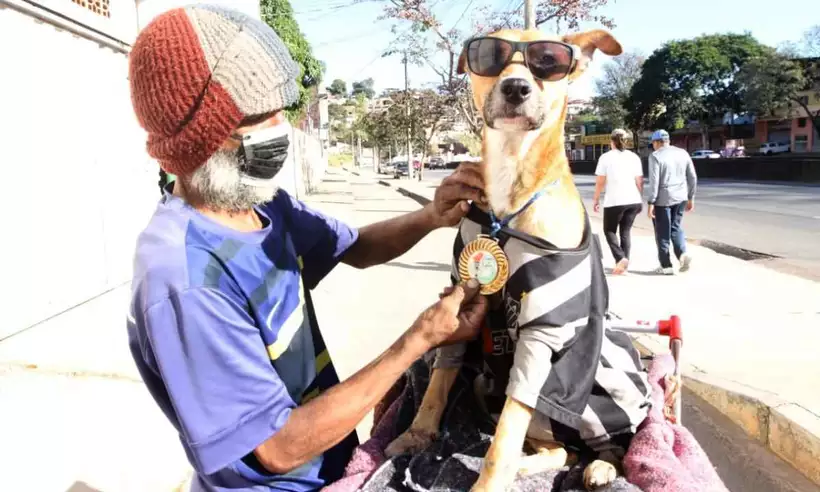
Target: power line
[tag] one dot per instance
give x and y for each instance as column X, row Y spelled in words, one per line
column 469, row 4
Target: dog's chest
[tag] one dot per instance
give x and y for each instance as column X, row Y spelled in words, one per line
column 503, row 151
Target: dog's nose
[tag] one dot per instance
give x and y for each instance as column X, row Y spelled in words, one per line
column 516, row 91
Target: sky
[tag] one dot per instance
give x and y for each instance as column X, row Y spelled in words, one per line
column 349, row 38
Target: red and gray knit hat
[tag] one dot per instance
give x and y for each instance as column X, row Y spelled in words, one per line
column 197, row 72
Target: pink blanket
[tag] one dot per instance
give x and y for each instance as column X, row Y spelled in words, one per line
column 662, row 457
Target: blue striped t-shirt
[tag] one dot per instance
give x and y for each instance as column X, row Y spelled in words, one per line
column 222, row 330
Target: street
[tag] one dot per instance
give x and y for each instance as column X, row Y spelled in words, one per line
column 780, row 220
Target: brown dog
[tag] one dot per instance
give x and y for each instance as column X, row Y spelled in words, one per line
column 520, row 85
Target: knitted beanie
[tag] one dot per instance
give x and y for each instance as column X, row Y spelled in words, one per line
column 196, row 72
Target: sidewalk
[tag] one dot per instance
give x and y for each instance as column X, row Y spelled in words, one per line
column 752, row 337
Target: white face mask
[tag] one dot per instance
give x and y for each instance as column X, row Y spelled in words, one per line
column 263, row 153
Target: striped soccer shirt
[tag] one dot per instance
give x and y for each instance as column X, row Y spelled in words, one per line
column 545, row 340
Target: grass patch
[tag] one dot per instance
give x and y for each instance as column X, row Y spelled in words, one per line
column 339, row 160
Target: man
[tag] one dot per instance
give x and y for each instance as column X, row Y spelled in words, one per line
column 221, row 324
column 672, row 185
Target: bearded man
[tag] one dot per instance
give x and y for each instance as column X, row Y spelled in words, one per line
column 221, row 323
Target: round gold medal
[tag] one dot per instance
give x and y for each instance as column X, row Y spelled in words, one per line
column 484, row 260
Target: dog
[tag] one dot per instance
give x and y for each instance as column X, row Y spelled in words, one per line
column 569, row 381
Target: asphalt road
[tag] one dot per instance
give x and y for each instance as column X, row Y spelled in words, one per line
column 779, row 221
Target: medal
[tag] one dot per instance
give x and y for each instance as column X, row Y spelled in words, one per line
column 484, row 260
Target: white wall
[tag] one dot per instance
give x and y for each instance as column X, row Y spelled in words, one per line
column 78, row 185
column 148, row 9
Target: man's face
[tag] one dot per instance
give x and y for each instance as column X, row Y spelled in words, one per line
column 219, row 185
column 656, row 144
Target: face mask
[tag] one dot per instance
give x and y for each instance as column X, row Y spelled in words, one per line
column 263, row 152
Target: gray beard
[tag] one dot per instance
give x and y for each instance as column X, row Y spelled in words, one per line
column 220, row 186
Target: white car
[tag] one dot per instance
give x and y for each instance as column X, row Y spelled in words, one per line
column 770, row 148
column 705, row 154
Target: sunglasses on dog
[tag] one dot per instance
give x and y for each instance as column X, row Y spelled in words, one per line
column 547, row 60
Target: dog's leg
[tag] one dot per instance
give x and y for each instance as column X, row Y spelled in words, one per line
column 504, row 456
column 602, row 471
column 548, row 456
column 425, row 425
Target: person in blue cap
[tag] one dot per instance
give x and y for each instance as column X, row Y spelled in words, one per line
column 670, row 193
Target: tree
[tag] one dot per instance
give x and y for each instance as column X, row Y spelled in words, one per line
column 338, row 88
column 278, row 14
column 811, row 41
column 691, row 80
column 613, row 87
column 424, row 112
column 772, row 83
column 426, row 37
column 364, row 87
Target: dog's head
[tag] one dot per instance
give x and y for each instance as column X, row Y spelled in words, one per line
column 515, row 99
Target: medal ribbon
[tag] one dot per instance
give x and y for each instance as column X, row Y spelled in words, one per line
column 496, row 225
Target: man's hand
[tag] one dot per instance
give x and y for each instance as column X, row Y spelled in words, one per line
column 456, row 317
column 596, row 206
column 690, row 205
column 650, row 211
column 450, row 202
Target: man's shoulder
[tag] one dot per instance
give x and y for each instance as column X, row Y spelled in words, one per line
column 169, row 252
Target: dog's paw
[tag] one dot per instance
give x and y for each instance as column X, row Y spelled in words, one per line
column 412, row 441
column 599, row 474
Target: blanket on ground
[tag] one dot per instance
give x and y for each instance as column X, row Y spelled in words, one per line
column 662, row 457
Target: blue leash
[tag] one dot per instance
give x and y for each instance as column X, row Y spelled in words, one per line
column 496, row 225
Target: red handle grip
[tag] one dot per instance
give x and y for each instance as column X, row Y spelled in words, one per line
column 671, row 328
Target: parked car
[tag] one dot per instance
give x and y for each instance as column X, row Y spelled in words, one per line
column 770, row 148
column 705, row 154
column 436, row 163
column 385, row 167
column 399, row 169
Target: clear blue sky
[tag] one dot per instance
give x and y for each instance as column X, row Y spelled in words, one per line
column 348, row 36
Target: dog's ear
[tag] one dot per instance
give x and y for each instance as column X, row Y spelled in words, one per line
column 461, row 69
column 589, row 41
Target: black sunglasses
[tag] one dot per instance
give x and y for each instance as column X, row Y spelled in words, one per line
column 547, row 60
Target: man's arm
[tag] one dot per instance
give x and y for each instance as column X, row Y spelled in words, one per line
column 324, row 421
column 691, row 177
column 384, row 241
column 654, row 171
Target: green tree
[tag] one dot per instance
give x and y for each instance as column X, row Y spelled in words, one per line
column 364, row 87
column 691, row 80
column 279, row 15
column 772, row 83
column 613, row 87
column 338, row 87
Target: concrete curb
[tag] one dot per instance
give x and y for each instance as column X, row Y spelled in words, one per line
column 421, row 200
column 786, row 429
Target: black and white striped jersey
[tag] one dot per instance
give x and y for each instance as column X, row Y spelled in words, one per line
column 546, row 342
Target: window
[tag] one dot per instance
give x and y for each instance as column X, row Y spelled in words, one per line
column 803, row 100
column 801, row 143
column 99, row 7
column 801, row 122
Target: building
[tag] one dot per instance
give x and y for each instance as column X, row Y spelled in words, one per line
column 793, row 125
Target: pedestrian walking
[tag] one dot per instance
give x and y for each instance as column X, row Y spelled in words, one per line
column 620, row 177
column 671, row 192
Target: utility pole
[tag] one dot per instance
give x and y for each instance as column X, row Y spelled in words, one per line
column 407, row 113
column 529, row 14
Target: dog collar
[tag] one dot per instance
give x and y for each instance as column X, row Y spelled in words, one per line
column 496, row 225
